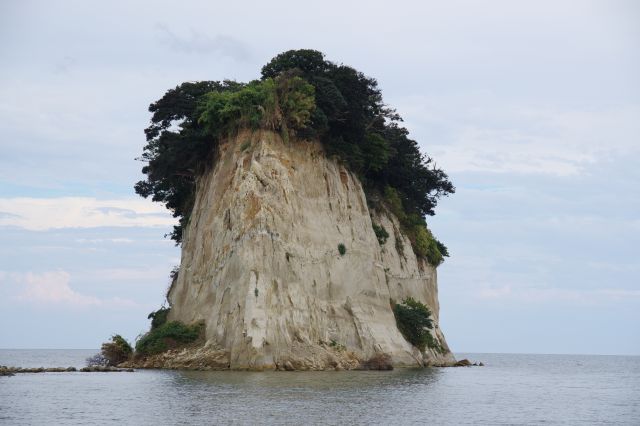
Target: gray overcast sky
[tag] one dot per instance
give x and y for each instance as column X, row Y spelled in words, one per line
column 532, row 107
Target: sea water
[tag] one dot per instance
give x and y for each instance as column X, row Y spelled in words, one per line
column 509, row 389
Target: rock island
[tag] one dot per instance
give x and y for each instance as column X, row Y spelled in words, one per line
column 302, row 206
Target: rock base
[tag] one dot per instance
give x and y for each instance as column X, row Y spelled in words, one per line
column 300, row 357
column 11, row 371
column 201, row 358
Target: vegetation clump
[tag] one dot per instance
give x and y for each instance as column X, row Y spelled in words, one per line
column 422, row 240
column 302, row 94
column 414, row 322
column 159, row 317
column 283, row 103
column 116, row 351
column 167, row 336
column 342, row 249
column 381, row 233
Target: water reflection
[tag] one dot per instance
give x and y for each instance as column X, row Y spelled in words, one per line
column 303, row 397
column 308, row 380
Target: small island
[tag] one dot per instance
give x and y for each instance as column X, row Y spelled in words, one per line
column 301, row 204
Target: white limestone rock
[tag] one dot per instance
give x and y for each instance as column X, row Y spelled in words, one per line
column 261, row 267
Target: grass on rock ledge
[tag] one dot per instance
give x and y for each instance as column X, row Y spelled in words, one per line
column 168, row 336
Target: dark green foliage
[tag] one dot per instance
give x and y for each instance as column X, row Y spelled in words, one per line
column 434, row 344
column 116, row 351
column 419, row 183
column 168, row 335
column 158, row 317
column 310, row 62
column 353, row 122
column 442, row 248
column 414, row 322
column 424, row 244
column 381, row 233
column 178, row 148
column 394, row 203
column 300, row 93
column 342, row 249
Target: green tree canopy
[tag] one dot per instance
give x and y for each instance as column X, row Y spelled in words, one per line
column 300, row 93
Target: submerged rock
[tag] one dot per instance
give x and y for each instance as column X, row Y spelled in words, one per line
column 5, row 371
column 10, row 371
column 207, row 357
column 104, row 369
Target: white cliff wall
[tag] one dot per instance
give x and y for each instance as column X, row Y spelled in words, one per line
column 260, row 262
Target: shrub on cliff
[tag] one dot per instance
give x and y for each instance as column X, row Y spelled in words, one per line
column 284, row 103
column 167, row 336
column 381, row 233
column 116, row 351
column 158, row 317
column 414, row 322
column 424, row 244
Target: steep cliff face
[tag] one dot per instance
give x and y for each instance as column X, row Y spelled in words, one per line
column 261, row 266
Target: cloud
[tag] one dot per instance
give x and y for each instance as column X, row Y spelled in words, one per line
column 555, row 294
column 134, row 274
column 104, row 240
column 64, row 65
column 52, row 288
column 200, row 43
column 116, row 211
column 5, row 215
column 81, row 212
column 479, row 132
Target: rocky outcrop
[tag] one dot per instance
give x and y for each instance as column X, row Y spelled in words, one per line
column 10, row 371
column 105, row 369
column 207, row 357
column 261, row 265
column 211, row 357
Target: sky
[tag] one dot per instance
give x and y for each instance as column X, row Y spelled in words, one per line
column 531, row 107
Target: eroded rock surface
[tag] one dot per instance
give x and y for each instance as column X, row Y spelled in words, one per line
column 207, row 357
column 261, row 266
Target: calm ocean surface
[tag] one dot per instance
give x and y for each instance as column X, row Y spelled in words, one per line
column 510, row 389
